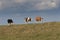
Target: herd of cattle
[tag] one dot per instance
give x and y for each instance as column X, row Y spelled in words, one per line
column 27, row 19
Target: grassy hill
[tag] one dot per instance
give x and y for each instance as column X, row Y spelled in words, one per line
column 45, row 31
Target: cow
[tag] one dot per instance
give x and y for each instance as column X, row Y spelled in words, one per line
column 27, row 19
column 39, row 19
column 10, row 21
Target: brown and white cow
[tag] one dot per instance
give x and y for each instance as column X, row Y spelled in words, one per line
column 27, row 19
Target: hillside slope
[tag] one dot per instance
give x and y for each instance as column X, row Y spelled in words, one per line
column 45, row 31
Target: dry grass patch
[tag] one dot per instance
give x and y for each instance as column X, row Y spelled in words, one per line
column 45, row 31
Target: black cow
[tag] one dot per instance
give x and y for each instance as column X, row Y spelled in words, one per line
column 10, row 21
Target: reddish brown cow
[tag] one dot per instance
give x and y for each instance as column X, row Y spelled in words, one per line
column 38, row 18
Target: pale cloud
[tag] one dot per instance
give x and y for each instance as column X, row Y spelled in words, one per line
column 53, row 4
column 0, row 4
column 46, row 5
column 30, row 4
column 20, row 1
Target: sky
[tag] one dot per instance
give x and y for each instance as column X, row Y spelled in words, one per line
column 19, row 9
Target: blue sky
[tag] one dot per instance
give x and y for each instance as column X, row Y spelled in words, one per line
column 19, row 9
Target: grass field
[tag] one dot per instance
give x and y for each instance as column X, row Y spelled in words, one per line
column 45, row 31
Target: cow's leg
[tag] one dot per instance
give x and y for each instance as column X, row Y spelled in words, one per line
column 9, row 24
column 42, row 20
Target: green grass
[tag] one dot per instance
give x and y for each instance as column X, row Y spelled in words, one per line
column 45, row 31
